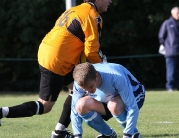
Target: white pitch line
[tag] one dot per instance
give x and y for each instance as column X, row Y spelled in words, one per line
column 165, row 122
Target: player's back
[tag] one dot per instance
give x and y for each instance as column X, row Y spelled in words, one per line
column 115, row 72
column 61, row 48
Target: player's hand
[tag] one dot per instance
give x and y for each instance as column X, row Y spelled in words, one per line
column 103, row 57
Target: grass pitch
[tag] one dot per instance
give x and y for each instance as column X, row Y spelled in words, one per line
column 159, row 117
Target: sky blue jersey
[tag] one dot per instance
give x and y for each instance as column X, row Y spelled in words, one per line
column 116, row 79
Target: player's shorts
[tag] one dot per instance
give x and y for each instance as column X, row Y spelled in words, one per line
column 108, row 113
column 139, row 96
column 51, row 84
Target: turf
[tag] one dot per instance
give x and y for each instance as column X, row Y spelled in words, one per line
column 159, row 117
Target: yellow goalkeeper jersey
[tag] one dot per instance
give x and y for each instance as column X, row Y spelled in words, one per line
column 76, row 31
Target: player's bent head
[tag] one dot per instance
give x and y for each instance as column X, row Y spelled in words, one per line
column 83, row 73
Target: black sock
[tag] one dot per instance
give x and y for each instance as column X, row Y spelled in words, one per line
column 0, row 113
column 65, row 116
column 26, row 109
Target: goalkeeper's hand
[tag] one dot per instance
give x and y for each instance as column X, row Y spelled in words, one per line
column 103, row 57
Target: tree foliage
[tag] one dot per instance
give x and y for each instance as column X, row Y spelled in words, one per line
column 130, row 28
column 23, row 25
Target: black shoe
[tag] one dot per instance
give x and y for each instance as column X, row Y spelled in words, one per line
column 61, row 134
column 113, row 135
column 136, row 135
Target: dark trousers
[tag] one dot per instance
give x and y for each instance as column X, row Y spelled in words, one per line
column 172, row 72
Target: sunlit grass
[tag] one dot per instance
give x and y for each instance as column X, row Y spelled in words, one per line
column 159, row 117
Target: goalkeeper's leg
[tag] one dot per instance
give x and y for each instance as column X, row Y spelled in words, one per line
column 50, row 87
column 64, row 120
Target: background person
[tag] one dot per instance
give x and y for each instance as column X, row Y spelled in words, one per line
column 169, row 37
column 74, row 32
column 114, row 81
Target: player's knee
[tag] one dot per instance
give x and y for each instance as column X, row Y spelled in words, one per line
column 113, row 108
column 46, row 105
column 47, row 108
column 116, row 106
column 82, row 105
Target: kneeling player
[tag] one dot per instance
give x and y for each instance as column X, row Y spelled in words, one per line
column 113, row 92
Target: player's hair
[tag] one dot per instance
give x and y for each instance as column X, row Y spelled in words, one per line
column 89, row 1
column 83, row 73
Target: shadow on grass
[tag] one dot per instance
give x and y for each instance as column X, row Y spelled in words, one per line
column 161, row 135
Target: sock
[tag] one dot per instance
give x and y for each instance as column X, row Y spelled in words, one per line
column 5, row 111
column 65, row 116
column 1, row 114
column 122, row 120
column 60, row 127
column 94, row 120
column 26, row 109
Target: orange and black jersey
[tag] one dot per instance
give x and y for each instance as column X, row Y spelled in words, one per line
column 76, row 31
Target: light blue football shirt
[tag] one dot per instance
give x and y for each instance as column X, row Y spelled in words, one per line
column 116, row 79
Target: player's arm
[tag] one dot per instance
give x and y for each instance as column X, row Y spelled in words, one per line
column 75, row 118
column 162, row 33
column 126, row 93
column 91, row 44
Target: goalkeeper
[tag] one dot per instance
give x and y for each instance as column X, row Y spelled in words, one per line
column 116, row 93
column 76, row 31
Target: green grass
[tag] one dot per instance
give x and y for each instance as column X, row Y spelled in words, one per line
column 159, row 118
